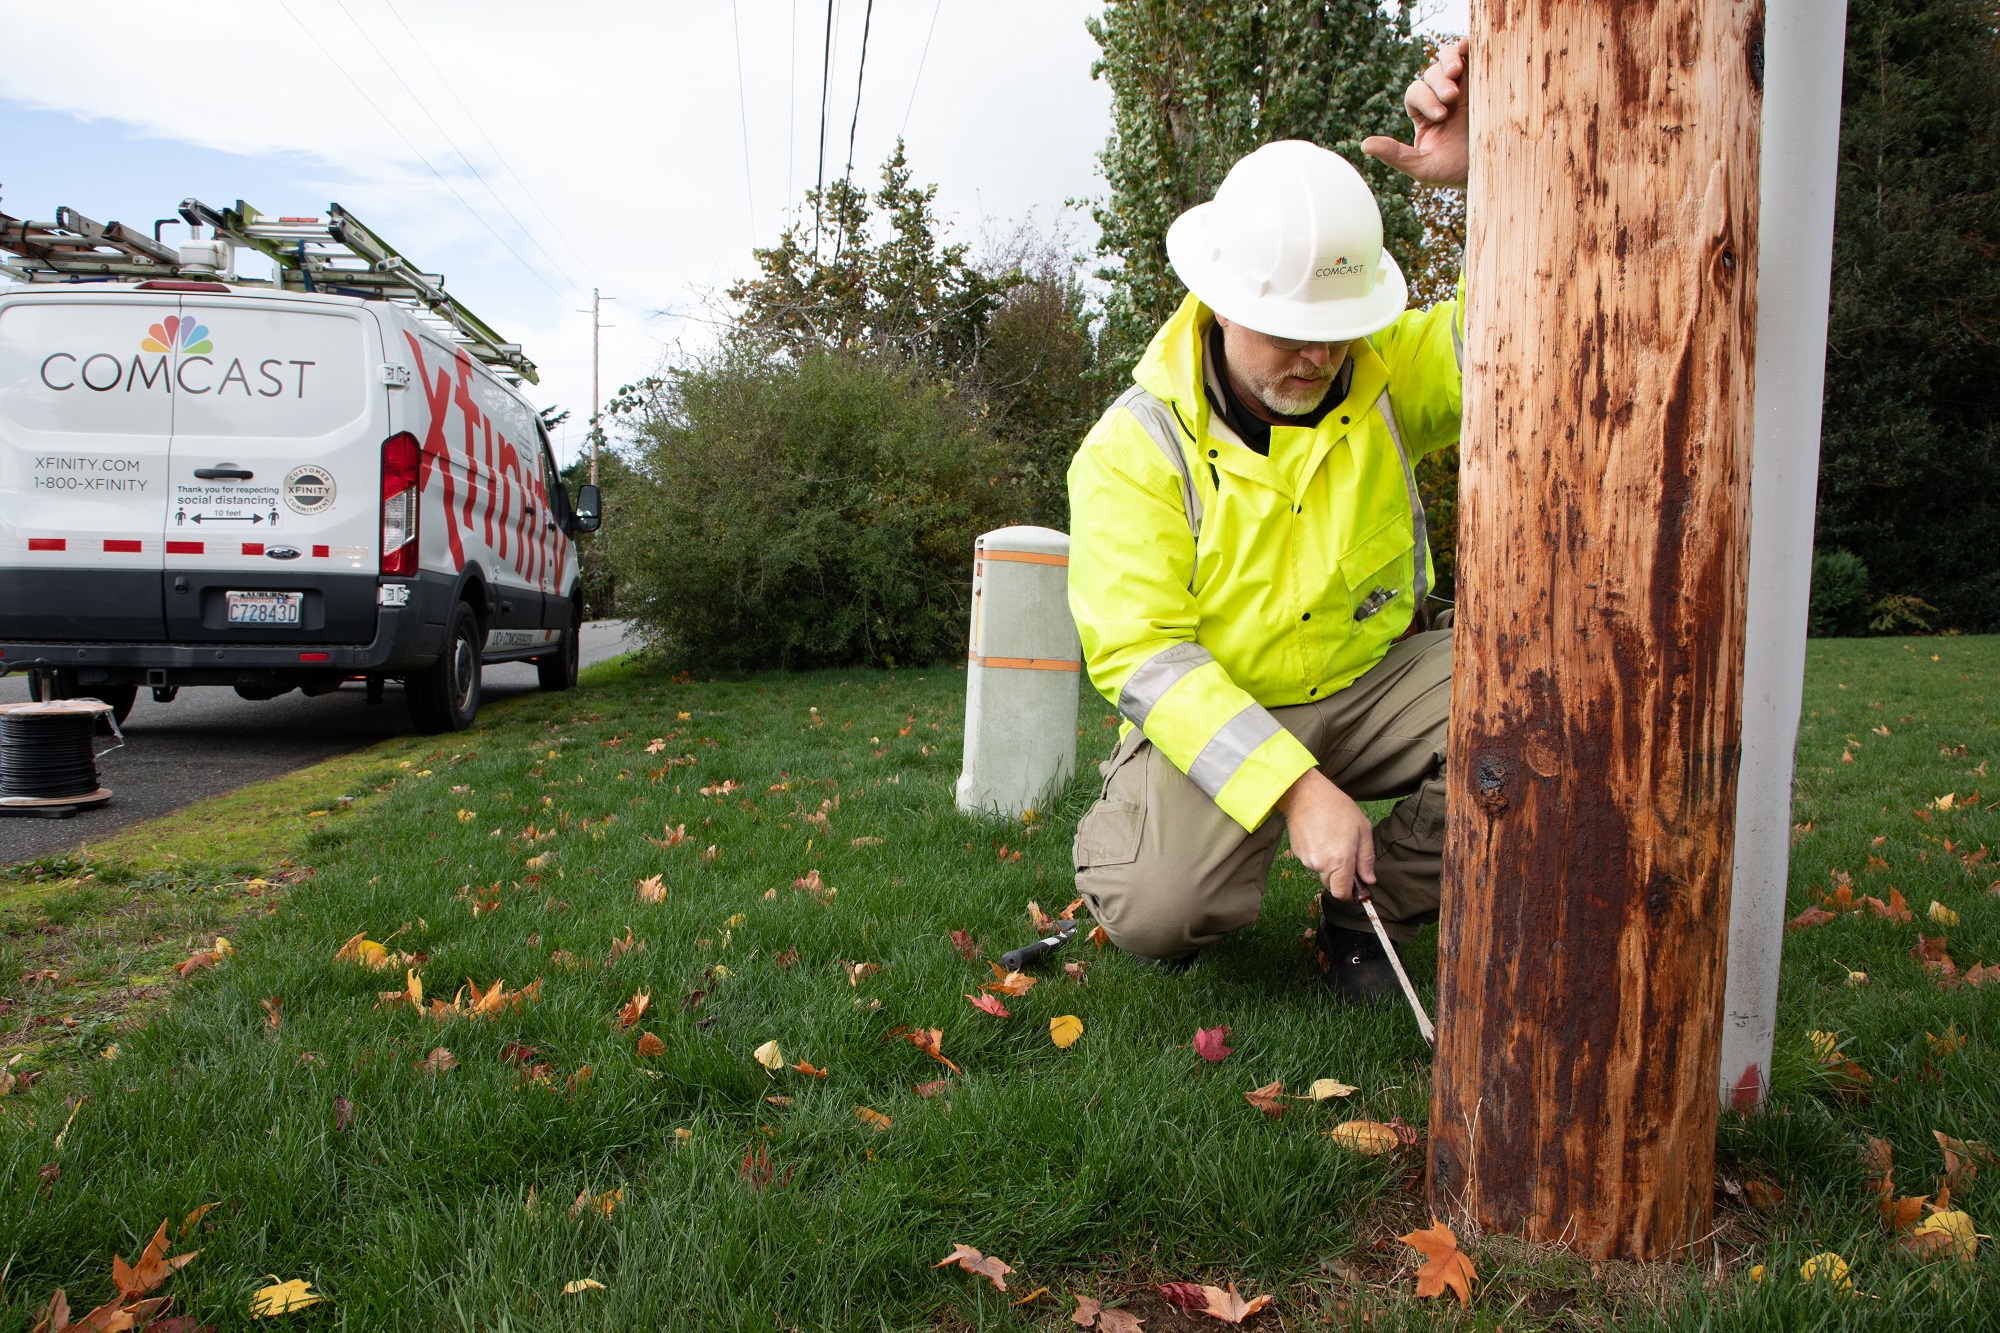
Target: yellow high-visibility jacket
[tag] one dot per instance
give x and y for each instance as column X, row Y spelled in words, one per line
column 1211, row 583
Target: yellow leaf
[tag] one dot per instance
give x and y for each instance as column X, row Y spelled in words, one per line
column 1857, row 978
column 1949, row 1042
column 1829, row 1267
column 1824, row 1044
column 874, row 1119
column 1948, row 1231
column 1756, row 1272
column 652, row 890
column 1323, row 1088
column 768, row 1056
column 582, row 1285
column 1946, row 801
column 1371, row 1137
column 415, row 987
column 283, row 1298
column 1064, row 1029
column 1941, row 914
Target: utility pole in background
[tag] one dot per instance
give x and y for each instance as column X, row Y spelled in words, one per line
column 1611, row 272
column 596, row 430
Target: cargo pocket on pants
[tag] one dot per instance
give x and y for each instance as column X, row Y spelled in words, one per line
column 1109, row 835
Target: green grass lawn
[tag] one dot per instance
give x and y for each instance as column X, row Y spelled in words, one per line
column 428, row 1198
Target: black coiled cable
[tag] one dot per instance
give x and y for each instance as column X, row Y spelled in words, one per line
column 47, row 756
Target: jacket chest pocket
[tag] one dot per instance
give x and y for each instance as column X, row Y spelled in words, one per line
column 1377, row 569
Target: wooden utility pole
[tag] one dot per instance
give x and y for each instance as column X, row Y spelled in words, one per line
column 1611, row 265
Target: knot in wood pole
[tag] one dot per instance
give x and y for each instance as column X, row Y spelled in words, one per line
column 1611, row 278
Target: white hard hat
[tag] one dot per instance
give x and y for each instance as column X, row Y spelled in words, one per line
column 1291, row 246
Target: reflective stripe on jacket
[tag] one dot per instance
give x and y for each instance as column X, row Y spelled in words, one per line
column 1211, row 584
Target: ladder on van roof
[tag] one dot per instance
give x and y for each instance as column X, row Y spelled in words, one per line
column 334, row 254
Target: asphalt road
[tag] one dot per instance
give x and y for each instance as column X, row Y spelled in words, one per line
column 209, row 740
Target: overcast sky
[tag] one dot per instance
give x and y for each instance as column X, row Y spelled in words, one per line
column 531, row 152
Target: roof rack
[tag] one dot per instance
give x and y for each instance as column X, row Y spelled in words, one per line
column 336, row 254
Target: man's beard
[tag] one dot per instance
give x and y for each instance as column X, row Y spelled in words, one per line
column 1287, row 402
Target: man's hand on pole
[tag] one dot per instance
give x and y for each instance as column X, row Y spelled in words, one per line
column 1436, row 103
column 1330, row 834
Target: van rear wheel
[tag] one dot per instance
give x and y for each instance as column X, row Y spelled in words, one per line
column 557, row 670
column 444, row 696
column 62, row 684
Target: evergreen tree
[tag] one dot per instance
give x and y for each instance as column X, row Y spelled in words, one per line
column 1910, row 463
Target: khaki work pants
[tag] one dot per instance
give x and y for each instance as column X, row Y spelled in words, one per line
column 1165, row 871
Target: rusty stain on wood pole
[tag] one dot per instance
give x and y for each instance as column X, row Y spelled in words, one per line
column 1604, row 529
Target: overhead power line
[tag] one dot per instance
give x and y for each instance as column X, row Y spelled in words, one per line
column 492, row 147
column 743, row 119
column 819, row 175
column 867, row 19
column 442, row 178
column 453, row 144
column 918, row 81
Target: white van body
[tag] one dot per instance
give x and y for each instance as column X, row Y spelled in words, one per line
column 193, row 492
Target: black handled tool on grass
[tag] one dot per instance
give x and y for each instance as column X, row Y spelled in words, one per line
column 1016, row 959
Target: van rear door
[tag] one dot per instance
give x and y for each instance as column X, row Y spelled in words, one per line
column 86, row 409
column 275, row 471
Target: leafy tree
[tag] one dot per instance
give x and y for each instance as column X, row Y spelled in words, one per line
column 801, row 513
column 1910, row 463
column 1196, row 84
column 905, row 294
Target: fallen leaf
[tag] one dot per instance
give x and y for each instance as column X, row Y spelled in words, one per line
column 1064, row 1029
column 582, row 1285
column 865, row 842
column 152, row 1269
column 1087, row 1310
column 967, row 947
column 1209, row 1043
column 439, row 1060
column 1827, row 1267
column 274, row 1012
column 1952, row 1040
column 1941, row 914
column 1324, row 1088
column 757, row 1171
column 650, row 1046
column 780, row 1101
column 856, row 971
column 1812, row 916
column 1228, row 1306
column 990, row 1004
column 769, row 1056
column 877, row 1121
column 932, row 1088
column 343, row 1114
column 603, row 1203
column 1119, row 1321
column 1763, row 1195
column 652, row 890
column 634, row 1009
column 1098, row 937
column 1189, row 1296
column 1009, row 983
column 1269, row 1099
column 1075, row 972
column 1371, row 1137
column 283, row 1298
column 931, row 1042
column 189, row 1222
column 1945, row 802
column 1445, row 1266
column 1946, row 1232
column 804, row 1068
column 972, row 1261
column 1857, row 978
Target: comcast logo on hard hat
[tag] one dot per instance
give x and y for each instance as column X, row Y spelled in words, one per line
column 177, row 333
column 1339, row 268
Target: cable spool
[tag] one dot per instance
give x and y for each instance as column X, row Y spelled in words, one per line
column 47, row 757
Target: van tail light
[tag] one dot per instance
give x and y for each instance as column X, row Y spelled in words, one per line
column 400, row 457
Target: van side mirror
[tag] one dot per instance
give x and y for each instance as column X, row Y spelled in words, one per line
column 589, row 508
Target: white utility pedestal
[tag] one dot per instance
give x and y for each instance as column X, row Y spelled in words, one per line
column 1022, row 674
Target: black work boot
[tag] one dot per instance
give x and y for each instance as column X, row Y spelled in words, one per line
column 1354, row 965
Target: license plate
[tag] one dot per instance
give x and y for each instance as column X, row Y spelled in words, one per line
column 265, row 608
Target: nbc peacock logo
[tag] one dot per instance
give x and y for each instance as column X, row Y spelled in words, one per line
column 180, row 334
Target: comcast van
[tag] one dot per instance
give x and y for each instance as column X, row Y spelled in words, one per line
column 203, row 483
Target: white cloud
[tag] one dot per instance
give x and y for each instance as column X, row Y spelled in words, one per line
column 624, row 121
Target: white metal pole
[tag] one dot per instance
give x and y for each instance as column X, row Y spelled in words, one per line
column 1804, row 47
column 593, row 385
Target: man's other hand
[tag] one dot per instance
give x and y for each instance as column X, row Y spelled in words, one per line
column 1436, row 103
column 1330, row 834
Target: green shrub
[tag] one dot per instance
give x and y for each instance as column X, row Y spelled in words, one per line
column 817, row 512
column 1839, row 605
